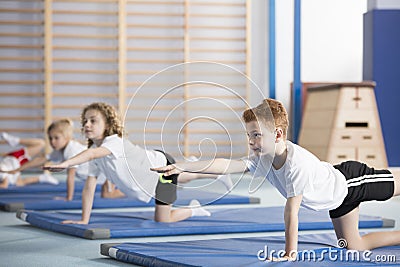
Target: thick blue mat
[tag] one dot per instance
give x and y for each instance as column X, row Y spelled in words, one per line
column 46, row 201
column 41, row 188
column 222, row 221
column 316, row 250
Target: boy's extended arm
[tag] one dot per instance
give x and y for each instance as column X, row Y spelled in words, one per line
column 216, row 166
column 291, row 215
column 84, row 156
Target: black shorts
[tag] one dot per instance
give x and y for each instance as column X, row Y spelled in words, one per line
column 166, row 186
column 364, row 184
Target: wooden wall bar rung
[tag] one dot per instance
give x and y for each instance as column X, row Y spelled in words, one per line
column 144, row 37
column 224, row 4
column 152, row 119
column 21, row 34
column 199, row 38
column 18, row 46
column 21, row 58
column 105, row 60
column 67, row 106
column 86, row 71
column 21, row 82
column 138, row 2
column 199, row 15
column 86, row 24
column 155, row 49
column 85, row 83
column 154, row 14
column 85, row 36
column 168, row 61
column 213, row 50
column 21, row 22
column 221, row 143
column 21, row 118
column 84, row 12
column 21, row 106
column 104, row 95
column 216, row 27
column 21, row 10
column 18, row 130
column 85, row 1
column 100, row 48
column 154, row 26
column 155, row 96
column 13, row 70
column 17, row 94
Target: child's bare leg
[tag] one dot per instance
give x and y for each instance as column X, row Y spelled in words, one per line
column 346, row 227
column 33, row 146
column 4, row 183
column 26, row 181
column 108, row 190
column 164, row 213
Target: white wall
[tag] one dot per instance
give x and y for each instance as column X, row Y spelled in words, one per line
column 331, row 45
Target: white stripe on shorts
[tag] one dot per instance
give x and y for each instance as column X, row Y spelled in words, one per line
column 374, row 178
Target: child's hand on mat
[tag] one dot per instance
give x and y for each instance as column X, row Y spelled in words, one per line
column 284, row 258
column 73, row 222
column 168, row 170
column 55, row 167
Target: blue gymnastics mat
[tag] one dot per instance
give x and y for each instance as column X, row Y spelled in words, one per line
column 41, row 188
column 46, row 201
column 314, row 250
column 222, row 221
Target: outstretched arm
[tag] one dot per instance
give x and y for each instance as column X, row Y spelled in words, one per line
column 216, row 166
column 84, row 156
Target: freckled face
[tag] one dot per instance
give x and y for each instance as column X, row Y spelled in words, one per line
column 260, row 138
column 94, row 125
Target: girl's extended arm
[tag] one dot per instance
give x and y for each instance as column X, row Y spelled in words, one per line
column 36, row 162
column 216, row 166
column 87, row 201
column 84, row 156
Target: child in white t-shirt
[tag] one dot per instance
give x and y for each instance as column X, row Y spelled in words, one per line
column 12, row 162
column 304, row 180
column 124, row 164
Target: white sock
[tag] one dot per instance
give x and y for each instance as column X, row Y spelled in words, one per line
column 192, row 159
column 47, row 178
column 11, row 139
column 226, row 180
column 197, row 210
column 12, row 178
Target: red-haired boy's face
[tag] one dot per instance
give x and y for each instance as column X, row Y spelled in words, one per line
column 261, row 140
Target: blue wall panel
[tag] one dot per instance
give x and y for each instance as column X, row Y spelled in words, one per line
column 382, row 65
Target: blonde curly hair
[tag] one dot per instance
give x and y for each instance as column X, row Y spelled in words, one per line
column 111, row 117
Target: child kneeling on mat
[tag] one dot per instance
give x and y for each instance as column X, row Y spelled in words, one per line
column 14, row 162
column 126, row 165
column 304, row 180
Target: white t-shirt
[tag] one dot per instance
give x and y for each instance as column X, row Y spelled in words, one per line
column 72, row 149
column 323, row 187
column 128, row 167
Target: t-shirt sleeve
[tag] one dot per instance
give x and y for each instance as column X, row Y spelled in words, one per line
column 93, row 169
column 69, row 152
column 55, row 156
column 114, row 145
